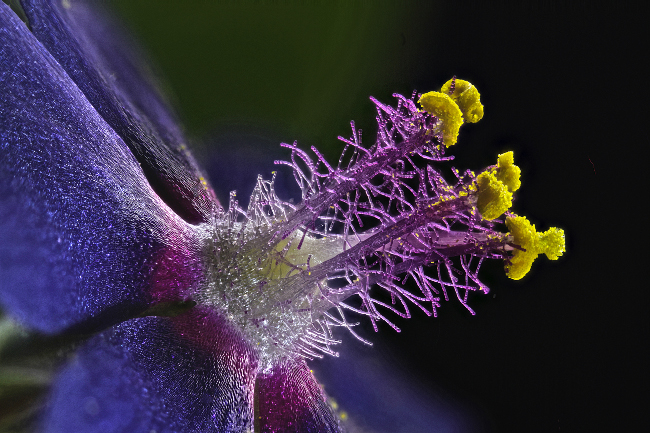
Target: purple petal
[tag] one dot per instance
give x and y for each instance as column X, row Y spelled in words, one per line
column 82, row 235
column 192, row 373
column 290, row 400
column 110, row 72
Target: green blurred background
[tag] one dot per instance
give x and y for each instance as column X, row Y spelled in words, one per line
column 300, row 69
column 553, row 352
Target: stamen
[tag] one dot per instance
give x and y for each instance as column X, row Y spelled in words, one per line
column 383, row 215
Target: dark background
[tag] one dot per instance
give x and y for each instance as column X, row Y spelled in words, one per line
column 564, row 349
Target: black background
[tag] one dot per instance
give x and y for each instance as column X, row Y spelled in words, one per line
column 564, row 349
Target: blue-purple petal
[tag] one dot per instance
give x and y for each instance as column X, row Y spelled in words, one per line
column 191, row 373
column 290, row 400
column 108, row 69
column 83, row 237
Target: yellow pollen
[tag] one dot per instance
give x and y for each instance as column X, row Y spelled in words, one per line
column 551, row 243
column 453, row 108
column 445, row 109
column 508, row 172
column 493, row 196
column 467, row 98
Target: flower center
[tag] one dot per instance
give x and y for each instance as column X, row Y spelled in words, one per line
column 285, row 273
column 264, row 287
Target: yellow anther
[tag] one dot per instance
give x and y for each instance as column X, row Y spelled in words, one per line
column 551, row 243
column 454, row 108
column 445, row 109
column 508, row 172
column 467, row 98
column 493, row 196
column 524, row 235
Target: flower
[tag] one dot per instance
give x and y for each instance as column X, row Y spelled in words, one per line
column 204, row 316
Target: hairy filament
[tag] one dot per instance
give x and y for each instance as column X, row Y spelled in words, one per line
column 383, row 215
